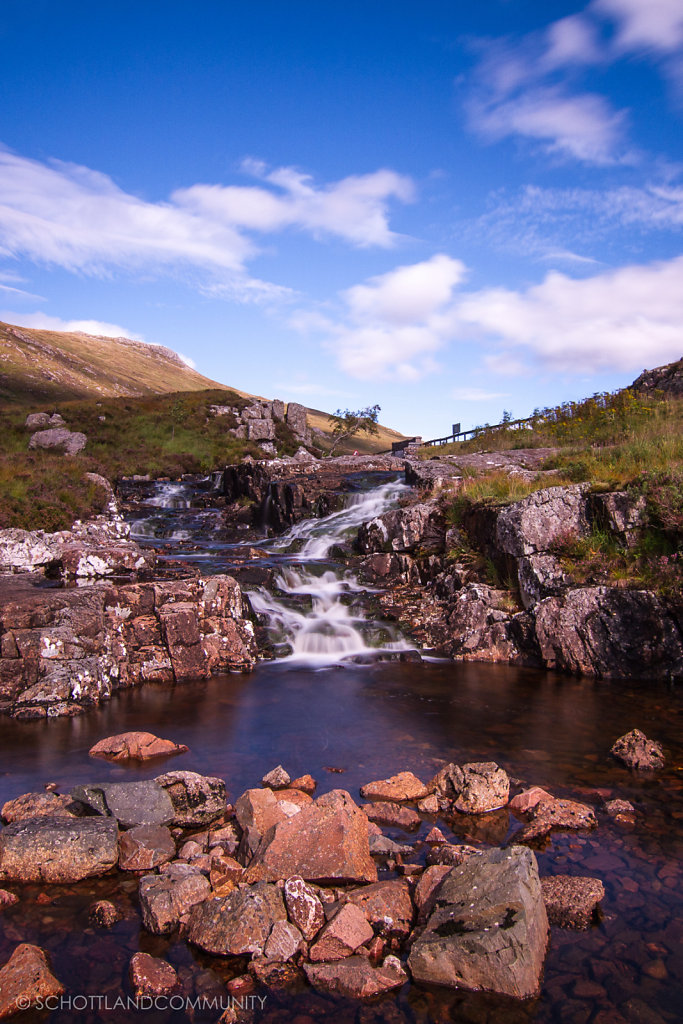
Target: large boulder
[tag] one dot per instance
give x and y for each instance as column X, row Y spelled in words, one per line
column 57, row 849
column 27, row 550
column 609, row 632
column 473, row 788
column 488, row 930
column 36, row 805
column 196, row 799
column 325, row 842
column 67, row 441
column 238, row 923
column 25, row 980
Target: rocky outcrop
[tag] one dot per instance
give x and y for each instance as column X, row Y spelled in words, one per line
column 610, row 633
column 97, row 548
column 257, row 422
column 488, row 930
column 664, row 380
column 434, row 587
column 66, row 650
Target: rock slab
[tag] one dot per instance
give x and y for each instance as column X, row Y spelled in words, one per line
column 57, row 849
column 25, row 980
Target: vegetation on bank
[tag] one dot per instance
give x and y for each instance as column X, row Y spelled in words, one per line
column 612, row 442
column 158, row 435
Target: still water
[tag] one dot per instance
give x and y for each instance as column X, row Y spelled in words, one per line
column 367, row 721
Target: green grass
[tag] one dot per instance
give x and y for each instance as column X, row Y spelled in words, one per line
column 161, row 435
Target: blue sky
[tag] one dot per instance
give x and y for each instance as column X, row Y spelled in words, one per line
column 447, row 209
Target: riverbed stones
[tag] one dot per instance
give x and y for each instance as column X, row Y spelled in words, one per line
column 151, row 976
column 342, row 936
column 26, row 979
column 58, row 849
column 355, row 977
column 304, row 907
column 168, row 897
column 402, row 787
column 572, row 901
column 135, row 746
column 131, row 803
column 36, row 805
column 7, row 899
column 196, row 799
column 145, row 847
column 488, row 930
column 238, row 923
column 326, row 842
column 636, row 751
column 104, row 914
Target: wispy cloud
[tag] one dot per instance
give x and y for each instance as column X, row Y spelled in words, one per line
column 98, row 328
column 77, row 218
column 530, row 87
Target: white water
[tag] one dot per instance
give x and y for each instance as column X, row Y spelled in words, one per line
column 171, row 495
column 313, row 617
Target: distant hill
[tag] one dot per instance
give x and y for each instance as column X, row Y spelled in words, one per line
column 57, row 366
column 39, row 369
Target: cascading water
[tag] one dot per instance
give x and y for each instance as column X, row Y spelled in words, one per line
column 318, row 618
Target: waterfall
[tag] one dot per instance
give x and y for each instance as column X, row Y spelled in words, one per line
column 171, row 495
column 315, row 615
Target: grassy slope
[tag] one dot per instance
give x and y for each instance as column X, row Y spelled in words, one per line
column 55, row 366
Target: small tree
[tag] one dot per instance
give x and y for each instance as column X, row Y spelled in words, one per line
column 347, row 424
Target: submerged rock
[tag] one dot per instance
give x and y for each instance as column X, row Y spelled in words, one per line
column 570, row 901
column 150, row 976
column 356, row 978
column 25, row 980
column 488, row 930
column 58, row 849
column 557, row 814
column 636, row 751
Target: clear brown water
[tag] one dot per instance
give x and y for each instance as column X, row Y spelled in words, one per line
column 372, row 721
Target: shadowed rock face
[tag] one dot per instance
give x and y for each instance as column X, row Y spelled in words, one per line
column 488, row 930
column 59, row 850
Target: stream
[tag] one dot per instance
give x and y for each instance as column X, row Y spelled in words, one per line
column 344, row 699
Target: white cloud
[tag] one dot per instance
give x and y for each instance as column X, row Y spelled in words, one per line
column 583, row 127
column 394, row 323
column 622, row 319
column 186, row 359
column 644, row 24
column 79, row 219
column 98, row 328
